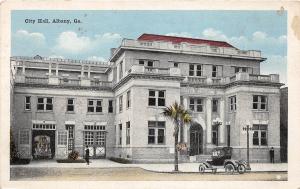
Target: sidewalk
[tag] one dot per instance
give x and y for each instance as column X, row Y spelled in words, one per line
column 183, row 167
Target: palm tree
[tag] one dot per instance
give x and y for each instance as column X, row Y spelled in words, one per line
column 179, row 116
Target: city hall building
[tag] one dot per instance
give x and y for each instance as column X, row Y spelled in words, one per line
column 115, row 108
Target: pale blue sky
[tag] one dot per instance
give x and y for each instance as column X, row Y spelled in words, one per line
column 102, row 30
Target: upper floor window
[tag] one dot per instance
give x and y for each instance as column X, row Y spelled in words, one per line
column 121, row 70
column 175, row 65
column 141, row 62
column 214, row 71
column 27, row 103
column 121, row 103
column 260, row 135
column 128, row 100
column 156, row 132
column 94, row 105
column 215, row 103
column 120, row 134
column 45, row 103
column 232, row 103
column 195, row 70
column 196, row 104
column 260, row 102
column 240, row 69
column 150, row 63
column 110, row 106
column 70, row 105
column 156, row 98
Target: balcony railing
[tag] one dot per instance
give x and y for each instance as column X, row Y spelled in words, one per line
column 71, row 82
column 37, row 80
column 139, row 69
column 190, row 48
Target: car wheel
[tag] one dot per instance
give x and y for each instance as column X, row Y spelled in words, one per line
column 241, row 169
column 229, row 168
column 201, row 168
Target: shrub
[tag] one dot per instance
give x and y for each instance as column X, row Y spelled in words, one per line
column 73, row 155
column 120, row 160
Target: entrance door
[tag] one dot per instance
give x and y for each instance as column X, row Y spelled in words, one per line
column 43, row 144
column 196, row 140
column 95, row 140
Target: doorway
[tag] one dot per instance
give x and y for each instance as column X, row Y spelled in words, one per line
column 43, row 144
column 196, row 139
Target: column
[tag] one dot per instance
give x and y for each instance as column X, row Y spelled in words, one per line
column 208, row 120
column 89, row 72
column 82, row 71
column 50, row 69
column 23, row 68
column 185, row 129
column 56, row 70
column 223, row 125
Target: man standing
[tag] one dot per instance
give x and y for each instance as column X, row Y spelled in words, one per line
column 87, row 155
column 272, row 155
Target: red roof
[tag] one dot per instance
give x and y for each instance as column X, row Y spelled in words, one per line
column 173, row 39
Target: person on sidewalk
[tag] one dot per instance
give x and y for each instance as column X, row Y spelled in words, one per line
column 272, row 155
column 87, row 155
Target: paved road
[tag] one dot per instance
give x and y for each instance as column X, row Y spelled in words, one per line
column 131, row 174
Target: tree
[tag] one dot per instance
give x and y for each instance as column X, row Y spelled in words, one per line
column 180, row 117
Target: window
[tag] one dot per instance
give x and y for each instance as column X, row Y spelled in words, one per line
column 128, row 132
column 240, row 69
column 121, row 70
column 214, row 71
column 121, row 103
column 175, row 65
column 70, row 129
column 215, row 134
column 27, row 103
column 156, row 132
column 128, row 103
column 195, row 70
column 88, row 138
column 120, row 134
column 24, row 136
column 110, row 106
column 215, row 105
column 45, row 104
column 260, row 102
column 232, row 103
column 196, row 104
column 62, row 138
column 157, row 98
column 94, row 105
column 70, row 105
column 141, row 62
column 150, row 64
column 260, row 135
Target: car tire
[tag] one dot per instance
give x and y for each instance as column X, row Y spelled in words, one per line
column 229, row 168
column 201, row 168
column 241, row 169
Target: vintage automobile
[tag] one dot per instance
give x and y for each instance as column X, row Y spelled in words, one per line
column 221, row 156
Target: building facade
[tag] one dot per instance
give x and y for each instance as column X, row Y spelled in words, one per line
column 115, row 108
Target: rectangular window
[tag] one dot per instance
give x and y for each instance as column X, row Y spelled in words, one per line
column 157, row 98
column 88, row 138
column 62, row 138
column 260, row 102
column 121, row 103
column 45, row 104
column 27, row 103
column 191, row 70
column 156, row 132
column 232, row 103
column 196, row 104
column 141, row 62
column 150, row 63
column 120, row 134
column 128, row 100
column 121, row 70
column 175, row 65
column 94, row 105
column 128, row 132
column 259, row 137
column 215, row 134
column 240, row 69
column 70, row 105
column 71, row 134
column 110, row 106
column 199, row 70
column 214, row 105
column 195, row 70
column 214, row 71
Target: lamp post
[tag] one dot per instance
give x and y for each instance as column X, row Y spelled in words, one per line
column 247, row 128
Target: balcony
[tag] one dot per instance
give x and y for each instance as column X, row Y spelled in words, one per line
column 64, row 82
column 139, row 69
column 186, row 47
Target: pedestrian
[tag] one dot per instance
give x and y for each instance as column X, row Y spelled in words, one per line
column 272, row 155
column 87, row 155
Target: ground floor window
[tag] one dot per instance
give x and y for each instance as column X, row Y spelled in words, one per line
column 94, row 139
column 260, row 135
column 128, row 132
column 24, row 136
column 71, row 134
column 156, row 132
column 215, row 134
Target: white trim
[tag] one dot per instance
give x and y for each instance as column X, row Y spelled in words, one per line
column 69, row 122
column 43, row 122
column 101, row 123
column 89, row 123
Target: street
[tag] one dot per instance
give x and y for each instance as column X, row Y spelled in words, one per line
column 131, row 174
